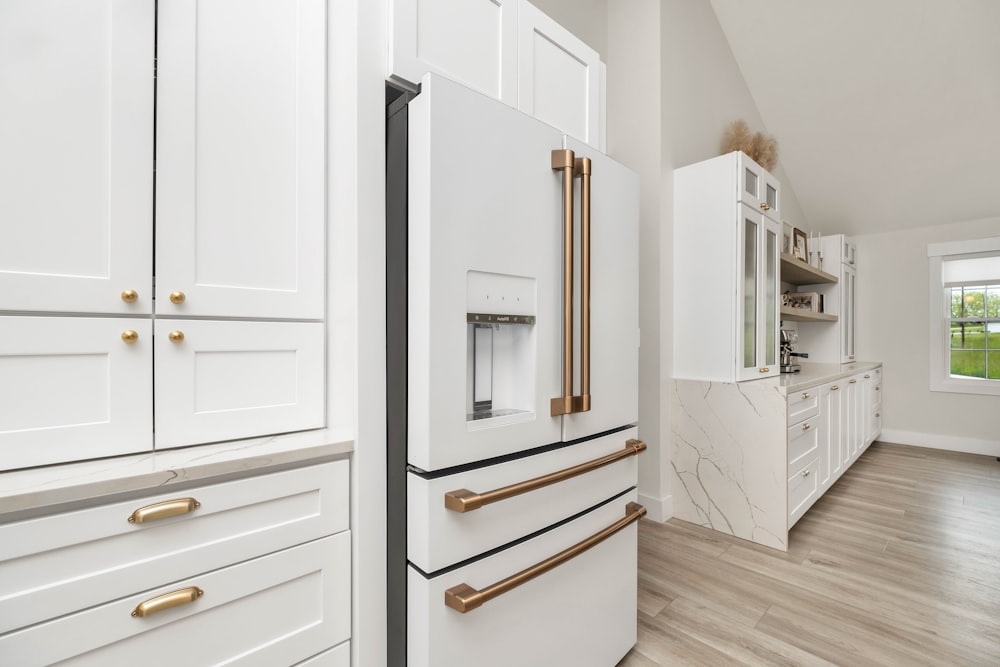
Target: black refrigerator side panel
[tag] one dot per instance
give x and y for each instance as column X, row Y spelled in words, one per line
column 396, row 307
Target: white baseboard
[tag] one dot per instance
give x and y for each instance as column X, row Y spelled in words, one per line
column 657, row 509
column 936, row 441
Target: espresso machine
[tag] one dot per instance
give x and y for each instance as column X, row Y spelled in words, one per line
column 790, row 337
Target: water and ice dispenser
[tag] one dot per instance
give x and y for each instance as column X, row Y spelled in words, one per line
column 501, row 341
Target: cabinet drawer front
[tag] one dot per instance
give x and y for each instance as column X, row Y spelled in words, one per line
column 277, row 609
column 335, row 657
column 580, row 613
column 228, row 380
column 58, row 564
column 71, row 388
column 803, row 440
column 802, row 405
column 438, row 537
column 803, row 490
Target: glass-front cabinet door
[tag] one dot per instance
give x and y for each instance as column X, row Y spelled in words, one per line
column 758, row 188
column 847, row 294
column 757, row 343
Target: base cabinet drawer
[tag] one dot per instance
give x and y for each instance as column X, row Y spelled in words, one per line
column 549, row 620
column 274, row 610
column 803, row 405
column 803, row 490
column 803, row 442
column 339, row 656
column 58, row 564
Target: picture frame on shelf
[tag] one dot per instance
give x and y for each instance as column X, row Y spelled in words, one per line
column 799, row 245
column 786, row 238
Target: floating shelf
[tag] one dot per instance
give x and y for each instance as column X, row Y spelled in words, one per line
column 797, row 272
column 803, row 315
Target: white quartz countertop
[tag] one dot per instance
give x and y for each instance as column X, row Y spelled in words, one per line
column 34, row 489
column 812, row 375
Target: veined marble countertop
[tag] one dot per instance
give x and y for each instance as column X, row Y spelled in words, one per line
column 816, row 374
column 34, row 490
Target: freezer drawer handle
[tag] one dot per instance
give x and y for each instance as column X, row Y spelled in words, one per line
column 464, row 500
column 163, row 510
column 571, row 167
column 465, row 598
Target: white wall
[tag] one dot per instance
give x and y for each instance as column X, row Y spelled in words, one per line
column 583, row 18
column 893, row 327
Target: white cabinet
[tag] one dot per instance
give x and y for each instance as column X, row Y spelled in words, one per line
column 506, row 49
column 726, row 258
column 129, row 581
column 559, row 77
column 834, row 341
column 240, row 152
column 240, row 177
column 76, row 187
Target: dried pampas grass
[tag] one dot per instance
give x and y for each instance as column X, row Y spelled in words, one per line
column 761, row 148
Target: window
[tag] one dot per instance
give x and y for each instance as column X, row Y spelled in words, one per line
column 965, row 316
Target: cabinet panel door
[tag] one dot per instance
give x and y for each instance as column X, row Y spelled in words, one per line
column 847, row 325
column 473, row 42
column 240, row 201
column 757, row 310
column 559, row 77
column 227, row 380
column 758, row 188
column 76, row 162
column 71, row 388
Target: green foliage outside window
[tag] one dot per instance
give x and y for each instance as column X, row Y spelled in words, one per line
column 975, row 331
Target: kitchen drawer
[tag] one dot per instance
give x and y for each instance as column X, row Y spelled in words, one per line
column 803, row 490
column 438, row 537
column 58, row 564
column 803, row 440
column 549, row 620
column 339, row 656
column 273, row 610
column 802, row 405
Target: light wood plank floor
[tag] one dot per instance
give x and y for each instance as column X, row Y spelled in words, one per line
column 897, row 564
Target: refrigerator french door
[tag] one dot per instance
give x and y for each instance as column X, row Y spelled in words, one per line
column 513, row 342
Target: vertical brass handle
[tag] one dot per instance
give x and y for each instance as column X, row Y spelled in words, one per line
column 464, row 598
column 564, row 160
column 167, row 600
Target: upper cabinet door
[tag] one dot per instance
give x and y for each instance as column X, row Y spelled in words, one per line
column 76, row 132
column 473, row 42
column 759, row 188
column 559, row 77
column 240, row 204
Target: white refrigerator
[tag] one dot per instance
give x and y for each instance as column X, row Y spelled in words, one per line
column 512, row 368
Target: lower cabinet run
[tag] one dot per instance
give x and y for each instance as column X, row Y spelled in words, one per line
column 257, row 568
column 750, row 459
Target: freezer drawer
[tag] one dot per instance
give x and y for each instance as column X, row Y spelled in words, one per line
column 273, row 610
column 580, row 613
column 438, row 536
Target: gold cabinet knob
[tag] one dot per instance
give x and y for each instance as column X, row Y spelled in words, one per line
column 805, row 473
column 764, row 370
column 177, row 297
column 130, row 336
column 129, row 295
column 766, row 207
column 176, row 336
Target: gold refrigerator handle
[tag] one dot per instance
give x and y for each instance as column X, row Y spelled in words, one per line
column 465, row 598
column 463, row 500
column 571, row 167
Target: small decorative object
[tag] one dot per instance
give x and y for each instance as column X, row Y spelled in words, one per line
column 800, row 243
column 804, row 301
column 762, row 148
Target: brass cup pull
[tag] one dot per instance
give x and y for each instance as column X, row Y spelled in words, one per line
column 834, row 388
column 163, row 510
column 129, row 295
column 176, row 336
column 463, row 500
column 130, row 336
column 167, row 601
column 806, row 427
column 177, row 297
column 852, row 381
column 867, row 376
column 464, row 598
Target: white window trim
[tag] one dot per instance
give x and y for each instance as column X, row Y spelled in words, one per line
column 940, row 318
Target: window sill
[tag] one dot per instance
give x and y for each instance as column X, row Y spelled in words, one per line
column 966, row 386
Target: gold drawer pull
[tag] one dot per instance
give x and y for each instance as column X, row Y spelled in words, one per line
column 834, row 388
column 852, row 381
column 167, row 600
column 763, row 370
column 163, row 510
column 878, row 414
column 806, row 427
column 177, row 297
column 805, row 396
column 463, row 500
column 805, row 473
column 867, row 376
column 465, row 598
column 129, row 295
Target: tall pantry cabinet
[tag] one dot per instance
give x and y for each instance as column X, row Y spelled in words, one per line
column 227, row 341
column 726, row 270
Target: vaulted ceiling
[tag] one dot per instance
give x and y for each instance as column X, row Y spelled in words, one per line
column 887, row 112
